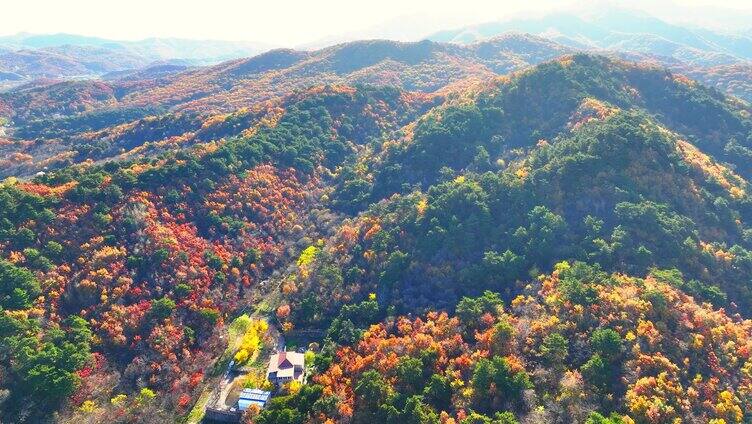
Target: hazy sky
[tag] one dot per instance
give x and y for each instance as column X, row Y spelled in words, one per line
column 296, row 22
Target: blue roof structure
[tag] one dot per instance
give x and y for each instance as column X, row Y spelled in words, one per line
column 250, row 397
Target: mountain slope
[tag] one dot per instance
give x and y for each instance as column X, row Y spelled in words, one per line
column 606, row 203
column 548, row 356
column 420, row 66
column 596, row 183
column 583, row 179
column 147, row 302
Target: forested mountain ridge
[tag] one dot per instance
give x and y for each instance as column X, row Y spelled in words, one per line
column 51, row 123
column 72, row 121
column 563, row 244
column 431, row 66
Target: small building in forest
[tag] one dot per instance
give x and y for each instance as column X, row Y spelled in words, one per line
column 250, row 397
column 285, row 367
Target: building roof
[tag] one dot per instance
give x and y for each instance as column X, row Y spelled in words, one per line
column 256, row 394
column 250, row 397
column 285, row 360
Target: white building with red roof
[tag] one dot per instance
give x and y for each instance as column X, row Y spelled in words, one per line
column 286, row 366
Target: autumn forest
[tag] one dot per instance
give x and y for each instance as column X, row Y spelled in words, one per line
column 507, row 231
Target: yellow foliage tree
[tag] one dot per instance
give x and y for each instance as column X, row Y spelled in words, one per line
column 119, row 400
column 88, row 406
column 257, row 380
column 293, row 387
column 251, row 341
column 307, row 255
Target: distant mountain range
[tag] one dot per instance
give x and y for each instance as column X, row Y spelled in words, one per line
column 30, row 56
column 25, row 56
column 619, row 29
